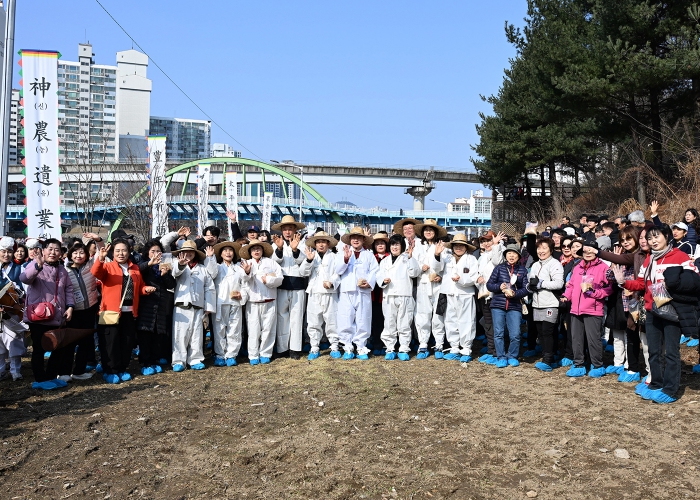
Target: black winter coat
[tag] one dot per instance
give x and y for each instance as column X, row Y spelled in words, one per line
column 156, row 309
column 684, row 287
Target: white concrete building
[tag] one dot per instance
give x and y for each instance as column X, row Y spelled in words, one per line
column 219, row 149
column 133, row 93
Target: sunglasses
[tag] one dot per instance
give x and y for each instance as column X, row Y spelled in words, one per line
column 627, row 239
column 566, row 246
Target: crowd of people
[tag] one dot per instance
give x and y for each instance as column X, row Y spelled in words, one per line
column 626, row 285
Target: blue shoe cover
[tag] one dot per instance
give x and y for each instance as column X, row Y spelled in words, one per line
column 501, row 363
column 219, row 361
column 403, row 356
column 46, row 385
column 147, row 370
column 609, row 348
column 422, row 354
column 491, row 361
column 530, row 354
column 377, row 352
column 98, row 368
column 452, row 356
column 513, row 362
column 465, row 359
column 335, row 354
column 441, row 355
column 231, row 362
column 363, row 357
column 538, row 348
column 696, row 369
column 197, row 366
column 348, row 355
column 484, row 350
column 306, row 348
column 47, row 354
column 662, row 398
column 649, row 394
column 390, row 356
column 596, row 372
column 254, row 361
column 684, row 339
column 89, row 368
column 542, row 366
column 324, row 346
column 576, row 372
column 614, row 369
column 162, row 361
column 179, row 367
column 693, row 343
column 264, row 360
column 207, row 335
column 567, row 362
column 111, row 378
column 158, row 368
column 604, row 342
column 628, row 376
column 640, row 387
column 312, row 356
column 209, row 345
column 480, row 337
column 136, row 351
column 124, row 376
column 485, row 358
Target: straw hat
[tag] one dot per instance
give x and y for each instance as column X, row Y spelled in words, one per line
column 440, row 232
column 224, row 244
column 244, row 252
column 398, row 227
column 461, row 239
column 321, row 235
column 381, row 237
column 190, row 245
column 357, row 231
column 288, row 219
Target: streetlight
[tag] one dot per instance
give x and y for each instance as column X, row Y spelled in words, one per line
column 446, row 206
column 290, row 163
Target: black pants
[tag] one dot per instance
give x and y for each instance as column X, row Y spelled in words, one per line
column 377, row 325
column 488, row 325
column 116, row 343
column 86, row 318
column 58, row 358
column 545, row 332
column 148, row 347
column 532, row 333
column 565, row 345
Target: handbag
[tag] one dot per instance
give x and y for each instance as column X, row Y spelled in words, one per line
column 666, row 311
column 112, row 317
column 43, row 311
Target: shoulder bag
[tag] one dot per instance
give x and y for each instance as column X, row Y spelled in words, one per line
column 44, row 311
column 112, row 317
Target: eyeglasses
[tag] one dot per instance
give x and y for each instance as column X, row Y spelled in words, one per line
column 566, row 246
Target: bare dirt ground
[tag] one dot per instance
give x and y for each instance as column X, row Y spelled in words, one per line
column 349, row 429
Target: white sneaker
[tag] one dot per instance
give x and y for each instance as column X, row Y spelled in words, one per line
column 84, row 376
column 65, row 378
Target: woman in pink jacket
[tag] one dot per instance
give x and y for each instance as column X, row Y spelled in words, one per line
column 589, row 286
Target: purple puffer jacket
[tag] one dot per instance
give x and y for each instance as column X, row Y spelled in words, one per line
column 40, row 286
column 593, row 301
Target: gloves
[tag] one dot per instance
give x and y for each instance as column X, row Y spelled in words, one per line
column 533, row 284
column 588, row 293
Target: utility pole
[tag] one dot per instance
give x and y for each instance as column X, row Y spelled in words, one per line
column 6, row 110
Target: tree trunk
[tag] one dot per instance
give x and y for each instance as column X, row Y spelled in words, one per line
column 656, row 143
column 696, row 113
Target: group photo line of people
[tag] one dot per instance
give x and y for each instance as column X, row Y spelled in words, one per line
column 626, row 286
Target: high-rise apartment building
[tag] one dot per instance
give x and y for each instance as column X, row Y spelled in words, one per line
column 87, row 110
column 15, row 130
column 133, row 93
column 185, row 139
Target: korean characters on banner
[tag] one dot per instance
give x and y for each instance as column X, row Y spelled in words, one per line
column 267, row 211
column 203, row 171
column 157, row 186
column 39, row 90
column 231, row 183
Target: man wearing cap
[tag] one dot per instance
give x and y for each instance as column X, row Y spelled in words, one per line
column 10, row 269
column 291, row 296
column 319, row 267
column 195, row 296
column 357, row 269
column 680, row 240
column 253, row 233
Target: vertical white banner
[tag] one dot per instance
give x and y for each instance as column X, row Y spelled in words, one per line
column 156, row 185
column 203, row 171
column 267, row 211
column 231, row 183
column 40, row 92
